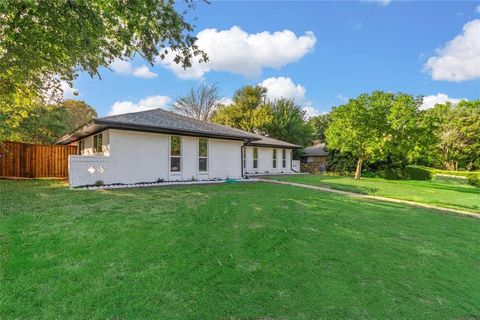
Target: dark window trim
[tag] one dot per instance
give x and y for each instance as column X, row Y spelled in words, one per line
column 202, row 157
column 98, row 149
column 255, row 158
column 274, row 158
column 174, row 156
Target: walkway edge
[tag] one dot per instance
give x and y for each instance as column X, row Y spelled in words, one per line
column 366, row 196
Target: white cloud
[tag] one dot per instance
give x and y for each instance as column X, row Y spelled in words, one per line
column 125, row 67
column 121, row 66
column 152, row 102
column 144, row 72
column 68, row 92
column 311, row 111
column 459, row 59
column 239, row 52
column 225, row 101
column 440, row 98
column 477, row 10
column 283, row 87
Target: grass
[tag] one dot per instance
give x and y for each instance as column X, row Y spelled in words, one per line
column 231, row 251
column 443, row 192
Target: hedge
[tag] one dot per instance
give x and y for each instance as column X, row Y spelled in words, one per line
column 418, row 173
column 414, row 172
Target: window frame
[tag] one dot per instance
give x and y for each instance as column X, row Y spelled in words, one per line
column 274, row 158
column 255, row 158
column 81, row 147
column 203, row 157
column 244, row 158
column 284, row 158
column 179, row 171
column 97, row 149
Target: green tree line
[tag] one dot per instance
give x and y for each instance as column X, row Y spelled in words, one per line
column 376, row 131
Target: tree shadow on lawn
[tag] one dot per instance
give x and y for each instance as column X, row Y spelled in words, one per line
column 349, row 188
column 456, row 188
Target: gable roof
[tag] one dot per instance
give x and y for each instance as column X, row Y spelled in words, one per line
column 315, row 150
column 163, row 121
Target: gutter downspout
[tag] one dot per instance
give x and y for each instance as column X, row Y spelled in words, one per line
column 241, row 159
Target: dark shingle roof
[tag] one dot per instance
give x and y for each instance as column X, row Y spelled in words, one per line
column 315, row 150
column 267, row 141
column 159, row 120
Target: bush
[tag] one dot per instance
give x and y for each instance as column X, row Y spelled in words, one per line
column 474, row 179
column 418, row 173
column 394, row 173
column 99, row 183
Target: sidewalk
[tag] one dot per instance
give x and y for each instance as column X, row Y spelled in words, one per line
column 359, row 195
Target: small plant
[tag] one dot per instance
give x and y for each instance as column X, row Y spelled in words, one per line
column 159, row 180
column 99, row 183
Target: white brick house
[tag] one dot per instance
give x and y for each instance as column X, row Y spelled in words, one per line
column 158, row 145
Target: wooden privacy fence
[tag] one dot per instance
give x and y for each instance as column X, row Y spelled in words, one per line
column 24, row 160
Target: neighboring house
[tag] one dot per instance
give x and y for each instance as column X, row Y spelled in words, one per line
column 159, row 145
column 314, row 158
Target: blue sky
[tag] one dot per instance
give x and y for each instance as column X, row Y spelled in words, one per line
column 318, row 53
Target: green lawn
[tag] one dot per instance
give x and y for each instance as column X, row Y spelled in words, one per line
column 231, row 251
column 449, row 194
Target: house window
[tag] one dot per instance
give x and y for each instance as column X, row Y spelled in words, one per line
column 284, row 158
column 175, row 153
column 244, row 157
column 255, row 158
column 97, row 143
column 81, row 147
column 202, row 155
column 274, row 158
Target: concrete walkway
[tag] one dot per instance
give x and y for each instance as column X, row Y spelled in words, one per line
column 366, row 196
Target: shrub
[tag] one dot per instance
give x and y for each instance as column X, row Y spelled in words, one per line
column 99, row 183
column 474, row 179
column 418, row 173
column 393, row 174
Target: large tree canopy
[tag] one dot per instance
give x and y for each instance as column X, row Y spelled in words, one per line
column 249, row 110
column 43, row 42
column 252, row 111
column 320, row 124
column 287, row 122
column 374, row 126
column 78, row 113
column 453, row 135
column 47, row 123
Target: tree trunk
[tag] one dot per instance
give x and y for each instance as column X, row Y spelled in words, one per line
column 358, row 172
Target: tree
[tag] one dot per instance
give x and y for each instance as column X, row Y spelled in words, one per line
column 252, row 111
column 43, row 42
column 320, row 124
column 459, row 136
column 374, row 126
column 288, row 123
column 249, row 110
column 199, row 103
column 450, row 136
column 426, row 151
column 78, row 113
column 45, row 124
